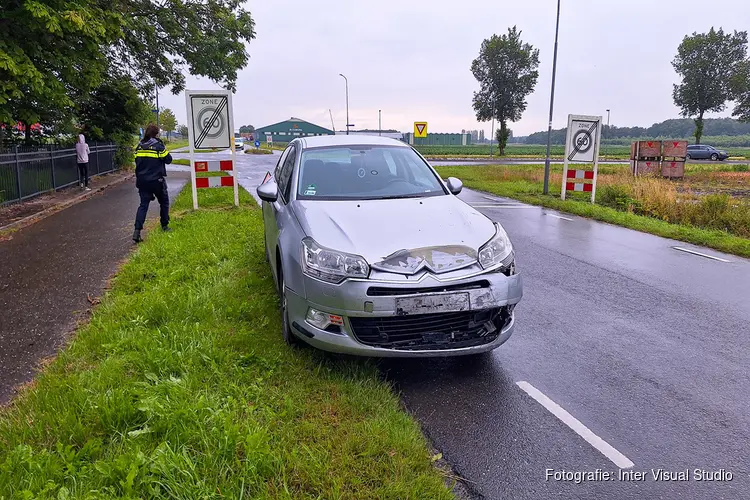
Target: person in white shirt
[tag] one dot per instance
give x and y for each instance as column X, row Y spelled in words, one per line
column 82, row 152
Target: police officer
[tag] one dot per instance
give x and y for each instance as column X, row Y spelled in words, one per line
column 151, row 158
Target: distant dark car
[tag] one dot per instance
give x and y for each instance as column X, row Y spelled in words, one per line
column 703, row 152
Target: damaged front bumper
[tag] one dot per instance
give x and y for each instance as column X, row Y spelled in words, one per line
column 421, row 316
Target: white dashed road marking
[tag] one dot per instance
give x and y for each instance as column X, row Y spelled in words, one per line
column 601, row 445
column 559, row 217
column 687, row 250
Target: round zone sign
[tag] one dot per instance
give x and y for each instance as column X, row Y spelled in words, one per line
column 211, row 122
column 582, row 141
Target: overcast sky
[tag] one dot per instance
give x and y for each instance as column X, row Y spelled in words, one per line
column 412, row 58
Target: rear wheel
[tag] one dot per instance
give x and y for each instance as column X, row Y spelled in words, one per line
column 286, row 328
column 714, row 157
column 688, row 157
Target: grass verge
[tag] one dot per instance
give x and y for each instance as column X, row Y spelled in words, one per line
column 528, row 191
column 181, row 387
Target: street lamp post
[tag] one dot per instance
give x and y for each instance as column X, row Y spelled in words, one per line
column 492, row 127
column 551, row 104
column 380, row 124
column 347, row 102
column 606, row 136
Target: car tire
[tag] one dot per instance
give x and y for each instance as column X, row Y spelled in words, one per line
column 286, row 327
column 688, row 157
column 714, row 157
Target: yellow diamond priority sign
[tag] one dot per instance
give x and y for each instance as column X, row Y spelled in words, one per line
column 420, row 129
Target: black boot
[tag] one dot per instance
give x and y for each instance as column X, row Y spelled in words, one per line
column 137, row 236
column 166, row 229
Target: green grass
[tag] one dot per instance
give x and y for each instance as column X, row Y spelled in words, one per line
column 258, row 151
column 181, row 387
column 180, row 161
column 539, row 151
column 475, row 177
column 175, row 143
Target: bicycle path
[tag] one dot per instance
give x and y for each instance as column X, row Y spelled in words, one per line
column 49, row 270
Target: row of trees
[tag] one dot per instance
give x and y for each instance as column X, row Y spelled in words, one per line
column 668, row 129
column 96, row 65
column 714, row 68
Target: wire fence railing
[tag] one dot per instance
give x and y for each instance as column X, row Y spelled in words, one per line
column 28, row 171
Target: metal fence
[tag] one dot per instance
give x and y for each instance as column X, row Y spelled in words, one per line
column 26, row 171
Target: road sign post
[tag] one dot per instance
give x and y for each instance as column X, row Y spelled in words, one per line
column 581, row 146
column 210, row 125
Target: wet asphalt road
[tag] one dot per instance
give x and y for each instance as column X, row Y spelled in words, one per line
column 644, row 345
column 50, row 267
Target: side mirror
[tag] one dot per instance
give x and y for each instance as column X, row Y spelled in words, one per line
column 454, row 185
column 268, row 191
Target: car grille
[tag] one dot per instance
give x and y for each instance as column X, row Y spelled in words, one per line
column 381, row 291
column 432, row 331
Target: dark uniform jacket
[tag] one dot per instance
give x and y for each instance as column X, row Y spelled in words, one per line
column 151, row 159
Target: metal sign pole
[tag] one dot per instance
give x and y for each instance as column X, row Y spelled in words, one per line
column 191, row 143
column 234, row 150
column 596, row 157
column 565, row 159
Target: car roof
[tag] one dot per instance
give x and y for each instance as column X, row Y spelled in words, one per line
column 322, row 141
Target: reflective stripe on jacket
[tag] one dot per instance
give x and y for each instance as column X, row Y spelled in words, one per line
column 151, row 158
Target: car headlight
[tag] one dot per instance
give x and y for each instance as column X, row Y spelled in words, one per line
column 499, row 250
column 331, row 265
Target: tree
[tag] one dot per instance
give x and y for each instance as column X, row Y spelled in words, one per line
column 740, row 87
column 53, row 53
column 183, row 131
column 162, row 40
column 167, row 121
column 506, row 70
column 114, row 111
column 707, row 63
column 49, row 52
column 247, row 129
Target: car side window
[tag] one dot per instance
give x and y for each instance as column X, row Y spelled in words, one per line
column 277, row 172
column 285, row 174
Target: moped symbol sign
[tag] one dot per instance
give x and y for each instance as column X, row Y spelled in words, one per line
column 210, row 121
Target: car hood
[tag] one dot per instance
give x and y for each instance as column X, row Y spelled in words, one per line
column 376, row 229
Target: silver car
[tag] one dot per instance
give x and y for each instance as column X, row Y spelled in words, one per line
column 374, row 255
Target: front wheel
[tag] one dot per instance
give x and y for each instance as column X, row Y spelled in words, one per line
column 714, row 157
column 286, row 328
column 688, row 157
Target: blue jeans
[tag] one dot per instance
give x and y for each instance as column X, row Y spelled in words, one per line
column 148, row 191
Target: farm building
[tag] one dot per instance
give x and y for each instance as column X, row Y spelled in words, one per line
column 290, row 129
column 438, row 139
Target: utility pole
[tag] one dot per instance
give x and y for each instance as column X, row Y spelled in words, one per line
column 332, row 125
column 606, row 136
column 347, row 102
column 380, row 126
column 551, row 104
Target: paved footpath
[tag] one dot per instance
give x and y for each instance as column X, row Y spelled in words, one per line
column 49, row 269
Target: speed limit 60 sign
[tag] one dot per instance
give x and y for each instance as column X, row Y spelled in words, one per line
column 583, row 134
column 581, row 147
column 209, row 117
column 211, row 126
